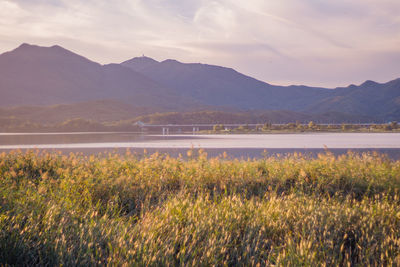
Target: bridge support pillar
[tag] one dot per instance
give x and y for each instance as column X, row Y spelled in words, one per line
column 165, row 131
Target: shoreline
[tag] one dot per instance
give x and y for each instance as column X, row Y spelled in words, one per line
column 230, row 153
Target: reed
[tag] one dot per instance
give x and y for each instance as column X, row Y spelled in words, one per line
column 158, row 210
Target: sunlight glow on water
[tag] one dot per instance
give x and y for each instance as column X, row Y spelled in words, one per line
column 120, row 140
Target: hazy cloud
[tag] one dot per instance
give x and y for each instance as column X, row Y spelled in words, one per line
column 314, row 42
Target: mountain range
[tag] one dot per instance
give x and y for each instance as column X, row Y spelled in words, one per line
column 32, row 77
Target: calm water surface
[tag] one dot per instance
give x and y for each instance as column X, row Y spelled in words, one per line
column 237, row 145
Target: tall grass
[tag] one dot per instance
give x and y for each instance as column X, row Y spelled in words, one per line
column 157, row 210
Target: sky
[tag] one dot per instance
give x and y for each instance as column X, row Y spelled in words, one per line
column 311, row 42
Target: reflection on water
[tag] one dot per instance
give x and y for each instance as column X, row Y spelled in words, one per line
column 94, row 139
column 239, row 145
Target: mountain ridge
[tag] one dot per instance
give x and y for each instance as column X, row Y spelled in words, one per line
column 36, row 75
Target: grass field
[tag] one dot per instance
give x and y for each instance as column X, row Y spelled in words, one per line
column 157, row 210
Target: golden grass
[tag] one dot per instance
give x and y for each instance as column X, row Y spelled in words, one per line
column 157, row 210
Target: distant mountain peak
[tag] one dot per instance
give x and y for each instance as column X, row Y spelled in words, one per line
column 25, row 46
column 170, row 61
column 139, row 63
column 369, row 83
column 146, row 58
column 140, row 59
column 55, row 53
column 29, row 46
column 58, row 47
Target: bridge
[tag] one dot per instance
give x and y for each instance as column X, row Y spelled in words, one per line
column 177, row 128
column 194, row 128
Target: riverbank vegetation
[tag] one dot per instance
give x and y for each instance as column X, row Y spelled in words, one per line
column 109, row 116
column 82, row 125
column 158, row 210
column 305, row 127
column 71, row 125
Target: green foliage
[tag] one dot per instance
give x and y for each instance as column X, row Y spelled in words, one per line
column 242, row 128
column 157, row 210
column 312, row 125
column 291, row 126
column 218, row 127
column 76, row 124
column 346, row 127
column 267, row 126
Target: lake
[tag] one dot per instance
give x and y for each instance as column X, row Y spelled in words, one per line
column 236, row 145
